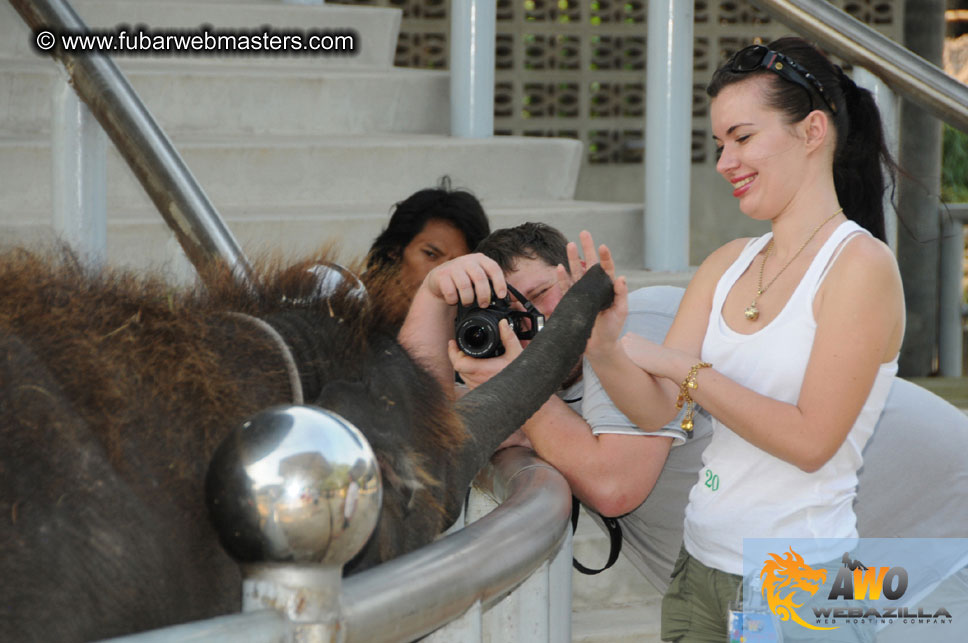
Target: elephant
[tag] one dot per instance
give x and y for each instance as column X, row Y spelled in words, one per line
column 116, row 388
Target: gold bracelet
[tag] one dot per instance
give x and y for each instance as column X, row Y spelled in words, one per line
column 685, row 398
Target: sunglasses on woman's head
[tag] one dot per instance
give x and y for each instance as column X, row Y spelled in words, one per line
column 756, row 57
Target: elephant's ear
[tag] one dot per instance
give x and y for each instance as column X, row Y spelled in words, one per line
column 497, row 408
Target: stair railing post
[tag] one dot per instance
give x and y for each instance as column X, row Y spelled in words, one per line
column 79, row 156
column 559, row 607
column 472, row 42
column 668, row 134
column 951, row 326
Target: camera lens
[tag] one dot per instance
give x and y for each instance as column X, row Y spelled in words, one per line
column 478, row 336
column 475, row 337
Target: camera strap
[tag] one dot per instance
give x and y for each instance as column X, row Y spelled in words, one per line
column 531, row 312
column 614, row 539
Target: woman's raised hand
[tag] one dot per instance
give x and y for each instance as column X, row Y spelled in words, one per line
column 608, row 325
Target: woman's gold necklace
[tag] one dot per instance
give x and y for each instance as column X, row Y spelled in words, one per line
column 752, row 312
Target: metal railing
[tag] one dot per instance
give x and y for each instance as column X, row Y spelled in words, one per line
column 519, row 554
column 141, row 142
column 529, row 532
column 905, row 72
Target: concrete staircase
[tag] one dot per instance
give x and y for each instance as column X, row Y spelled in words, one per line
column 292, row 150
column 295, row 151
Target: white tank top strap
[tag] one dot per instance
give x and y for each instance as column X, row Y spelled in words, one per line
column 754, row 240
column 831, row 251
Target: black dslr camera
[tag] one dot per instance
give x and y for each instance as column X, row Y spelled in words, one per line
column 476, row 328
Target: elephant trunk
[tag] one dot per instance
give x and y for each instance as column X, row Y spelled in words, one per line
column 497, row 408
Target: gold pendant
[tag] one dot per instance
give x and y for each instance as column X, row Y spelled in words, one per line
column 752, row 312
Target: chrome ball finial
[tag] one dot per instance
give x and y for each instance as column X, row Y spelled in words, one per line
column 294, row 484
column 330, row 277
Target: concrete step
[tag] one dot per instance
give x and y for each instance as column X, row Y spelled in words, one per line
column 629, row 624
column 616, row 606
column 138, row 237
column 230, row 97
column 317, row 171
column 640, row 278
column 376, row 28
column 618, row 225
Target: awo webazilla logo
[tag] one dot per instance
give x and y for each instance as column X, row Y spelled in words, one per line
column 788, row 584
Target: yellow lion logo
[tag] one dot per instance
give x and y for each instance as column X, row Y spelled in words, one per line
column 790, row 572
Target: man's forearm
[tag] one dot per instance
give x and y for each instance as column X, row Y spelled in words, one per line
column 611, row 473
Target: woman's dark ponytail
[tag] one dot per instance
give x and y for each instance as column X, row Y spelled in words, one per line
column 863, row 166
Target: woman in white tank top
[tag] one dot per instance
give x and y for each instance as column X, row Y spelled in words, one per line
column 789, row 340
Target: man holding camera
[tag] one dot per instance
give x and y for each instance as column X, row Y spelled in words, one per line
column 619, row 470
column 611, row 465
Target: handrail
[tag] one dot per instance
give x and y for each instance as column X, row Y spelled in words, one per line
column 141, row 142
column 951, row 312
column 481, row 562
column 905, row 72
column 417, row 593
column 957, row 211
